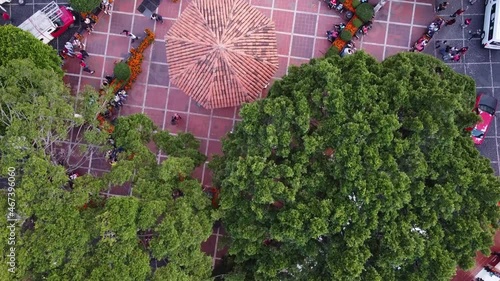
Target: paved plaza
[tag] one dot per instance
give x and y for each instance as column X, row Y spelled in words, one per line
column 301, row 27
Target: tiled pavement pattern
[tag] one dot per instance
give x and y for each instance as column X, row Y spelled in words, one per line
column 301, row 27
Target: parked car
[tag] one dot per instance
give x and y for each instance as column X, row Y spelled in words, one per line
column 485, row 107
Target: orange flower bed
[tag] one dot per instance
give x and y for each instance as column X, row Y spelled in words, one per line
column 351, row 28
column 348, row 5
column 339, row 44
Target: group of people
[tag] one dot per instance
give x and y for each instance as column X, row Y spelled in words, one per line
column 337, row 4
column 452, row 53
column 106, row 6
column 112, row 155
column 69, row 51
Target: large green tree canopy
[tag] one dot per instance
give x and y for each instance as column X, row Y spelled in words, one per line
column 357, row 170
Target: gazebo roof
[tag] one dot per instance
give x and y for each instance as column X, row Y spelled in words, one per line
column 222, row 52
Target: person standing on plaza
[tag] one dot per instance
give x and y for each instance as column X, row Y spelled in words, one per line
column 6, row 17
column 131, row 35
column 450, row 22
column 459, row 12
column 176, row 117
column 85, row 67
column 442, row 7
column 466, row 23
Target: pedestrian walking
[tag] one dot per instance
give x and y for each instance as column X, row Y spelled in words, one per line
column 459, row 12
column 6, row 17
column 85, row 67
column 466, row 23
column 450, row 22
column 472, row 2
column 176, row 117
column 157, row 17
column 131, row 35
column 476, row 34
column 456, row 58
column 463, row 50
column 82, row 55
column 442, row 6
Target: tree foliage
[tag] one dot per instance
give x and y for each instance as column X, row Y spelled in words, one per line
column 19, row 44
column 70, row 232
column 122, row 71
column 84, row 6
column 357, row 170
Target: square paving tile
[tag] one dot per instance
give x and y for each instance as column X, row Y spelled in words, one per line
column 169, row 10
column 489, row 147
column 128, row 109
column 156, row 97
column 482, row 75
column 72, row 82
column 376, row 51
column 401, row 12
column 141, row 23
column 121, row 190
column 298, row 62
column 262, row 3
column 136, row 94
column 102, row 25
column 219, row 127
column 389, row 51
column 90, row 81
column 325, row 23
column 198, row 125
column 305, row 24
column 180, row 126
column 209, row 245
column 214, row 148
column 119, row 22
column 97, row 45
column 159, row 52
column 177, row 100
column 424, row 14
column 207, row 177
column 377, row 34
column 71, row 65
column 95, row 63
column 283, row 43
column 283, row 20
column 282, row 67
column 123, row 6
column 156, row 115
column 398, row 35
column 321, row 47
column 109, row 65
column 162, row 29
column 158, row 74
column 267, row 12
column 285, row 4
column 119, row 47
column 227, row 112
column 475, row 53
column 310, row 6
column 184, row 4
column 302, row 46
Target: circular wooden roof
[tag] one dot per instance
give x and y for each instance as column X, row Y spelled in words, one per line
column 222, row 52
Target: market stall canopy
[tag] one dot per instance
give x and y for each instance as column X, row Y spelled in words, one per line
column 148, row 7
column 222, row 52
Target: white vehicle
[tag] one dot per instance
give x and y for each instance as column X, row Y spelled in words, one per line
column 49, row 22
column 491, row 30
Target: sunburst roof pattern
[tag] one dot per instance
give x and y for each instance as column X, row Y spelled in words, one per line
column 222, row 52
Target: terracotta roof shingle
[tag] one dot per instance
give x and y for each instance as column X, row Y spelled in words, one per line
column 222, row 52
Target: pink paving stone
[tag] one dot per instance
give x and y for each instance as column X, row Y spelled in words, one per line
column 102, row 24
column 424, row 14
column 202, row 148
column 198, row 125
column 224, row 112
column 401, row 12
column 95, row 63
column 282, row 67
column 158, row 52
column 158, row 74
column 207, row 177
column 71, row 65
column 285, row 4
column 214, row 148
column 156, row 115
column 129, row 109
column 120, row 190
column 262, row 3
column 389, row 51
column 220, row 127
column 267, row 12
column 141, row 23
column 119, row 22
column 72, row 82
column 136, row 94
column 123, row 6
column 169, row 10
column 383, row 14
column 305, row 24
column 100, row 163
column 298, row 62
column 94, row 82
column 194, row 108
column 326, row 23
column 156, row 97
column 209, row 246
column 283, row 43
column 302, row 46
column 310, row 6
column 162, row 29
column 177, row 100
column 143, row 76
column 325, row 10
column 97, row 45
column 119, row 48
column 197, row 173
column 376, row 34
column 374, row 50
column 222, row 252
column 109, row 65
column 321, row 47
column 283, row 20
column 398, row 35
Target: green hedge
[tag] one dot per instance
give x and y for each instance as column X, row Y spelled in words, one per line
column 122, row 71
column 84, row 6
column 356, row 3
column 345, row 35
column 357, row 22
column 365, row 12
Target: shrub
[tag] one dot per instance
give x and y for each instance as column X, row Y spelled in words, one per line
column 84, row 6
column 356, row 3
column 345, row 35
column 122, row 71
column 357, row 22
column 365, row 12
column 333, row 50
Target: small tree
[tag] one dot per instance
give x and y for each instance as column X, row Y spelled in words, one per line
column 346, row 35
column 84, row 6
column 122, row 71
column 365, row 12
